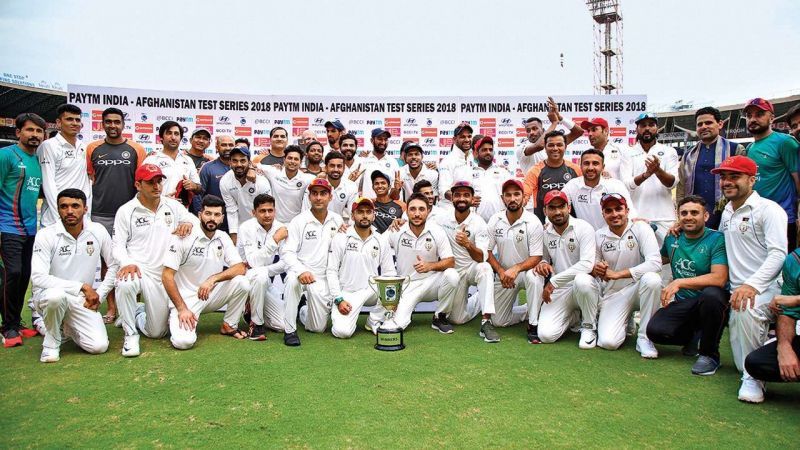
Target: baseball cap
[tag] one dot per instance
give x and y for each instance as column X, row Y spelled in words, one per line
column 760, row 103
column 320, row 182
column 362, row 201
column 738, row 163
column 644, row 116
column 334, row 124
column 241, row 149
column 407, row 145
column 483, row 140
column 513, row 182
column 461, row 127
column 379, row 174
column 379, row 131
column 147, row 172
column 201, row 131
column 597, row 121
column 462, row 184
column 552, row 195
column 613, row 197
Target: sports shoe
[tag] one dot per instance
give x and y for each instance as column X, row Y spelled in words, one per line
column 488, row 333
column 258, row 333
column 291, row 339
column 39, row 325
column 11, row 338
column 130, row 346
column 588, row 339
column 705, row 365
column 49, row 355
column 646, row 348
column 28, row 333
column 441, row 324
column 752, row 390
column 533, row 334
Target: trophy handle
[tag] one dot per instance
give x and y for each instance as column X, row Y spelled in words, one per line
column 406, row 282
column 371, row 283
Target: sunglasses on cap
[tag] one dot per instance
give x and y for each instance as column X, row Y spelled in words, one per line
column 613, row 195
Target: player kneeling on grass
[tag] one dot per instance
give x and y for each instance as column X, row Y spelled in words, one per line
column 259, row 240
column 423, row 253
column 65, row 257
column 355, row 256
column 516, row 235
column 469, row 240
column 627, row 273
column 196, row 282
column 696, row 301
column 563, row 282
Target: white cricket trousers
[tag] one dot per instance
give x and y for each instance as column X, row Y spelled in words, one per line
column 231, row 293
column 616, row 308
column 464, row 308
column 506, row 314
column 153, row 322
column 749, row 328
column 437, row 286
column 344, row 325
column 555, row 317
column 266, row 305
column 80, row 323
column 315, row 316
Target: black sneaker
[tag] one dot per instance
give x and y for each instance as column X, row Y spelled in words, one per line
column 291, row 339
column 533, row 334
column 441, row 324
column 692, row 348
column 259, row 333
column 705, row 366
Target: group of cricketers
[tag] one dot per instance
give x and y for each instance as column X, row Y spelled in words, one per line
column 282, row 244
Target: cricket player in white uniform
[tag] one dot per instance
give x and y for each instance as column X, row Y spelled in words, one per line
column 195, row 281
column 460, row 155
column 755, row 240
column 515, row 236
column 598, row 134
column 585, row 192
column 65, row 258
column 239, row 186
column 415, row 171
column 306, row 256
column 627, row 273
column 63, row 162
column 423, row 253
column 344, row 190
column 469, row 240
column 174, row 164
column 142, row 230
column 355, row 256
column 569, row 257
column 260, row 240
column 288, row 184
column 486, row 178
column 377, row 160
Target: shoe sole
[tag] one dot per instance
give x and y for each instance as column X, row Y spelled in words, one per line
column 292, row 344
column 442, row 331
column 587, row 347
column 705, row 374
column 131, row 355
column 258, row 338
column 13, row 342
column 49, row 360
column 750, row 400
column 491, row 341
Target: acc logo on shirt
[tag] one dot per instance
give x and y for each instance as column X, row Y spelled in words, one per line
column 142, row 222
column 406, row 242
column 351, row 247
column 552, row 244
column 198, row 251
column 609, row 246
column 583, row 198
column 64, row 250
column 311, row 234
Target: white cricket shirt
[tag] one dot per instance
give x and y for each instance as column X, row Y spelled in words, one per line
column 239, row 198
column 514, row 243
column 63, row 167
column 352, row 261
column 570, row 253
column 306, row 248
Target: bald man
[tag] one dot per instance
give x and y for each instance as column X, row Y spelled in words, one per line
column 212, row 171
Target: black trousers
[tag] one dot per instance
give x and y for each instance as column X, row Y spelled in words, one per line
column 791, row 236
column 677, row 323
column 762, row 363
column 16, row 252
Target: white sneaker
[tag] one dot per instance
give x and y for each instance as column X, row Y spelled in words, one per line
column 130, row 346
column 646, row 348
column 49, row 355
column 752, row 390
column 588, row 339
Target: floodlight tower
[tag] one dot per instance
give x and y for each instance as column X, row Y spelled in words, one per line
column 607, row 46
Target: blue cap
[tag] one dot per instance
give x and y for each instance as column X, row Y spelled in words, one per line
column 241, row 149
column 644, row 116
column 334, row 124
column 379, row 131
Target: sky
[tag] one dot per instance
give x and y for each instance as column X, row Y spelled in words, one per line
column 709, row 52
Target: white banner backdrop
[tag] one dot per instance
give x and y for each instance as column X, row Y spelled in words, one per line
column 427, row 120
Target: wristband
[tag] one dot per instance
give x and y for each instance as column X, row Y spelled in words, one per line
column 567, row 123
column 337, row 300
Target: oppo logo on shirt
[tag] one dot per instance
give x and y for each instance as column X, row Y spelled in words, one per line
column 112, row 162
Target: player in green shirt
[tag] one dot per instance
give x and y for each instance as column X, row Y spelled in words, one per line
column 696, row 300
column 778, row 360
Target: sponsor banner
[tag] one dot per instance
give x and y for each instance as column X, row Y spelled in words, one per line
column 427, row 120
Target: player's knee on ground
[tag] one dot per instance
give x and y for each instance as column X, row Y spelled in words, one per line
column 610, row 341
column 183, row 342
column 95, row 346
column 342, row 330
column 548, row 333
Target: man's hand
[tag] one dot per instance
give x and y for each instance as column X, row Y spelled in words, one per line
column 251, row 174
column 398, row 182
column 543, row 268
column 462, row 238
column 92, row 299
column 421, row 266
column 183, row 229
column 476, row 201
column 653, row 164
column 787, row 301
column 343, row 228
column 788, row 363
column 612, row 275
column 675, row 229
column 744, row 297
column 205, row 289
column 306, row 278
column 189, row 185
column 356, row 173
column 547, row 292
column 363, row 153
column 396, row 224
column 280, row 234
column 552, row 111
column 600, row 269
column 668, row 293
column 186, row 319
column 345, row 307
column 431, row 165
column 130, row 270
column 509, row 277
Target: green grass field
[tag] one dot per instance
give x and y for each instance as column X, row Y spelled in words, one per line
column 442, row 391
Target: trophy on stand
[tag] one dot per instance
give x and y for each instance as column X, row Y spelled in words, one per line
column 389, row 290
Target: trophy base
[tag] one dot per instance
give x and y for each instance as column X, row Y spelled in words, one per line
column 390, row 340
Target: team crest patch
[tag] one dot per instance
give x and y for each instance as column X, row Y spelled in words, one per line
column 299, row 184
column 219, row 251
column 374, row 252
column 126, row 154
column 428, row 244
column 743, row 227
column 571, row 245
column 89, row 247
column 520, row 236
column 168, row 218
column 630, row 244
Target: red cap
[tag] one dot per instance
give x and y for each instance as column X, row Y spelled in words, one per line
column 462, row 184
column 552, row 195
column 362, row 201
column 320, row 182
column 613, row 197
column 513, row 182
column 597, row 121
column 147, row 172
column 761, row 104
column 738, row 163
column 483, row 140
